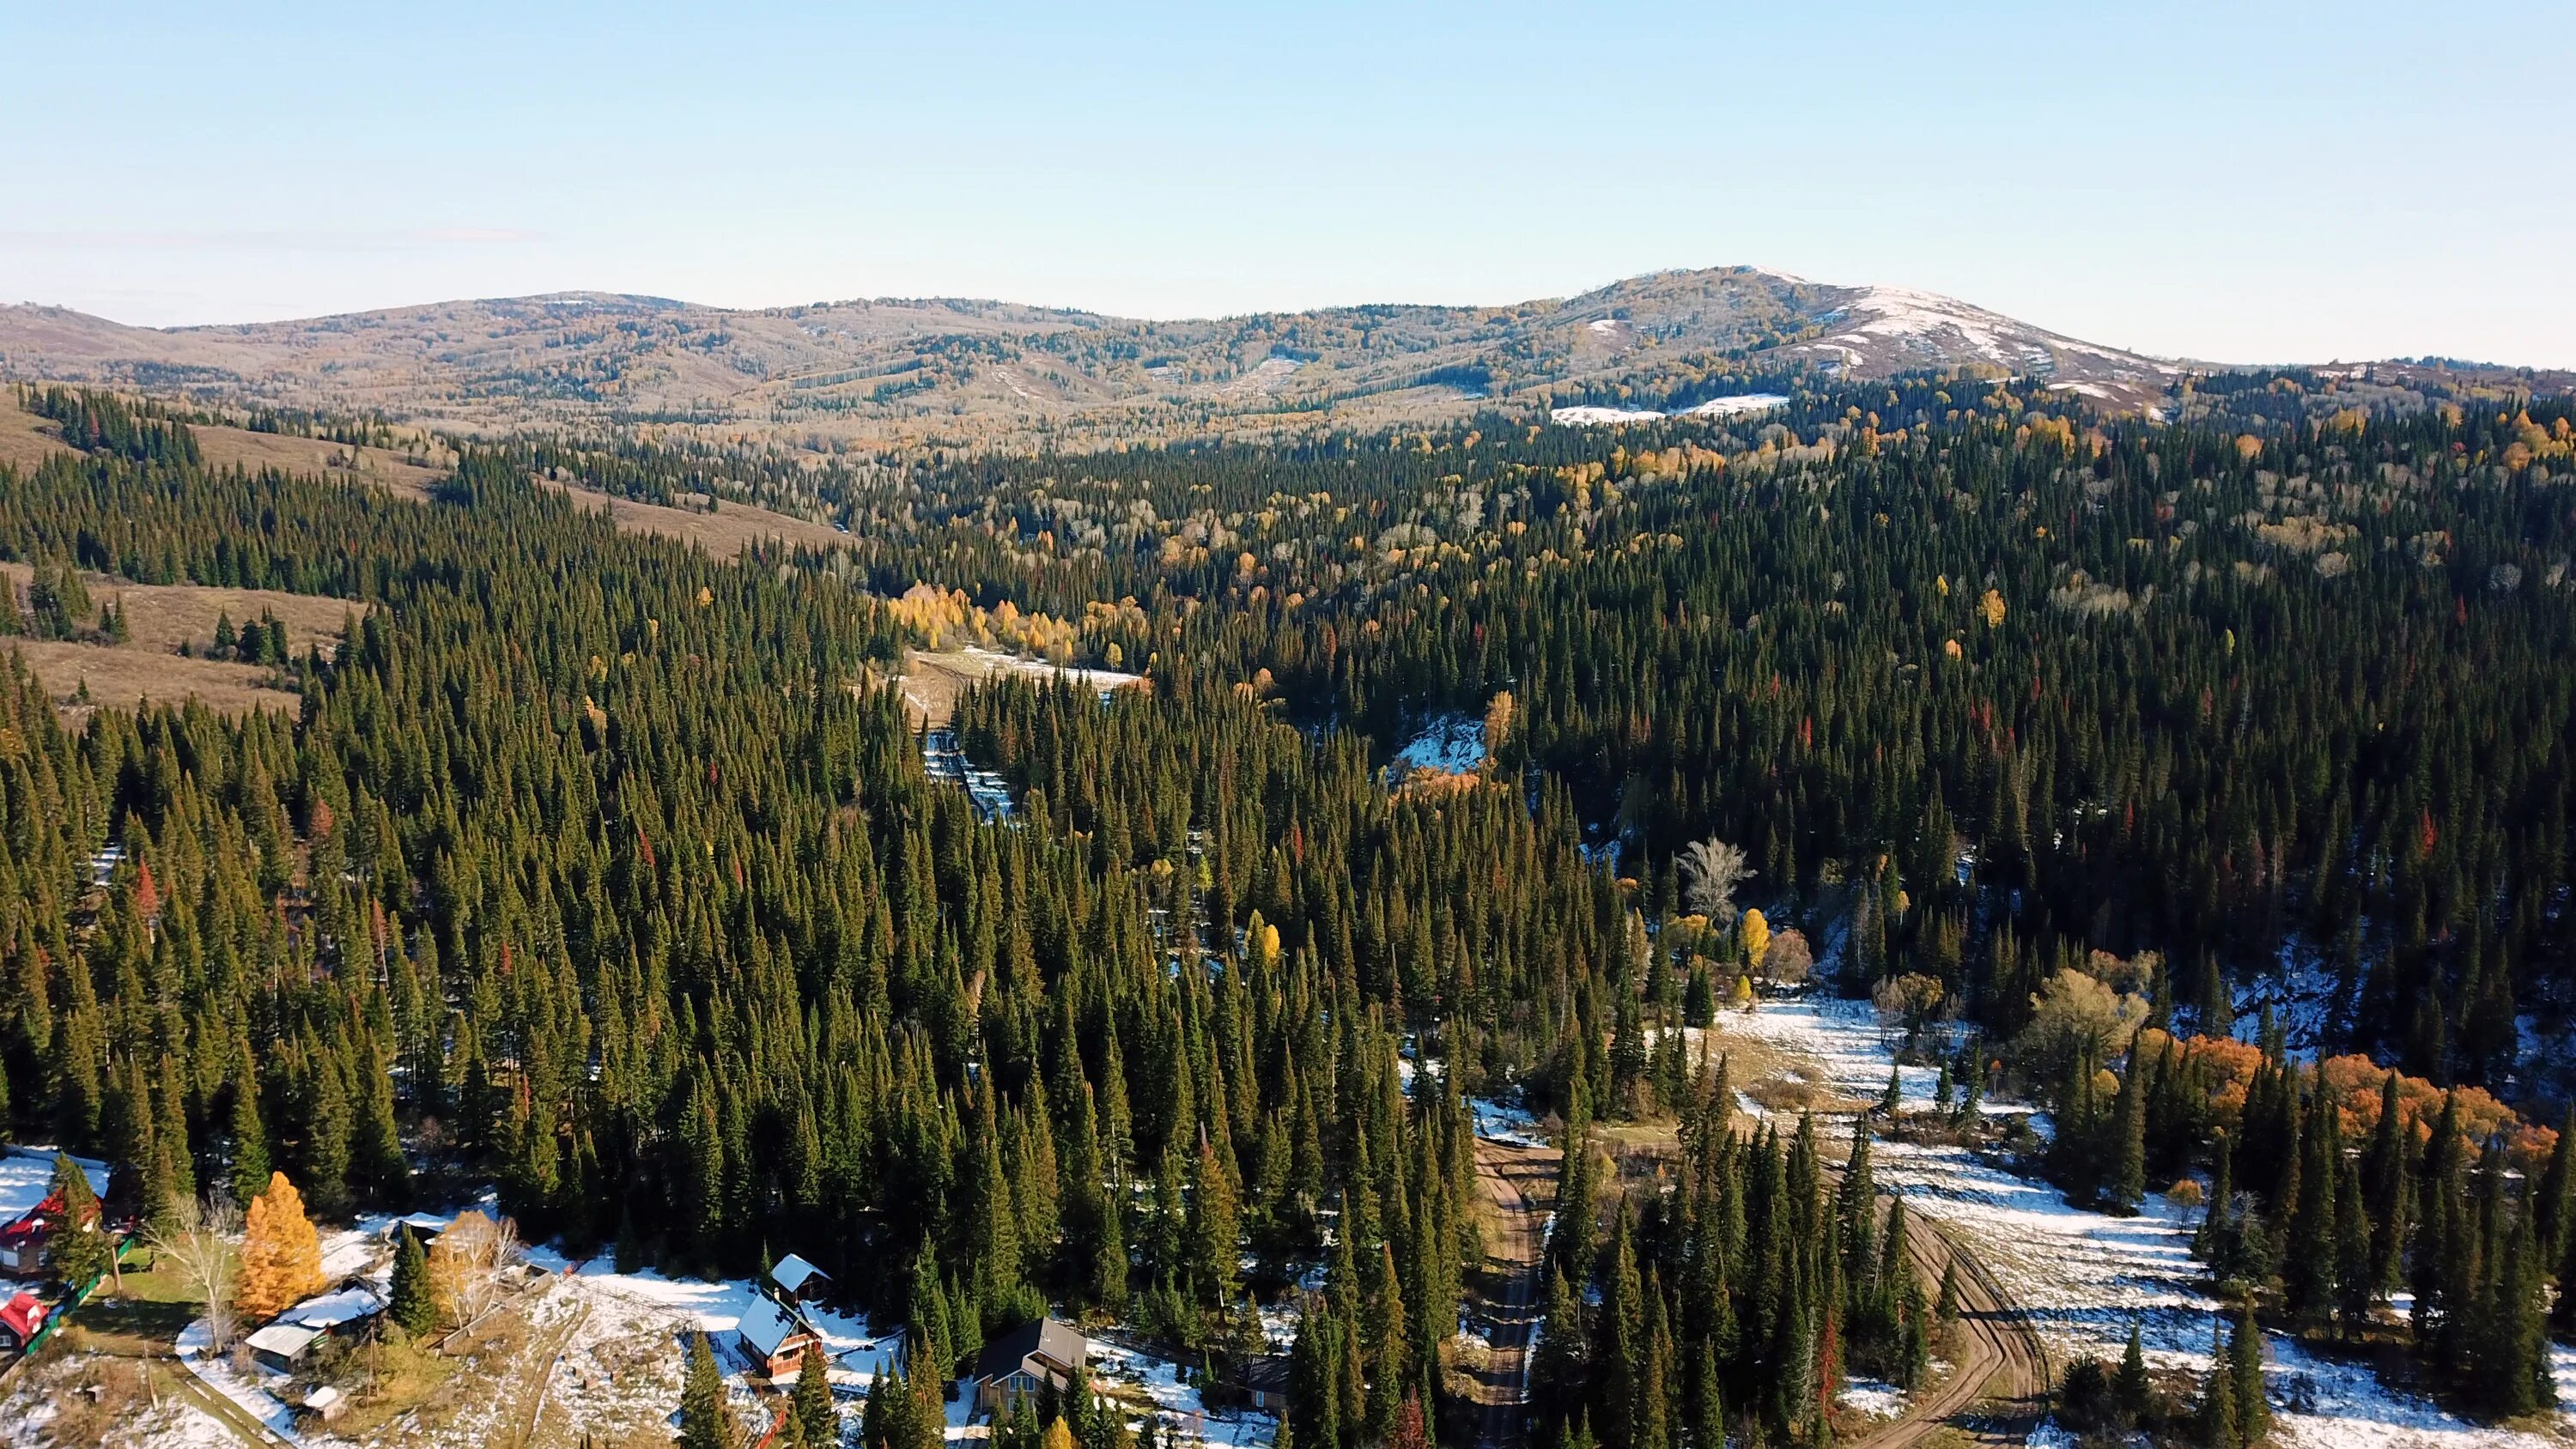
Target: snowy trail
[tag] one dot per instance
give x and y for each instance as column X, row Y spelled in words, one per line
column 2083, row 1277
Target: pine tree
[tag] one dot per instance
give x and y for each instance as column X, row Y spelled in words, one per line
column 1558, row 1374
column 1388, row 1358
column 2131, row 1387
column 815, row 1415
column 250, row 1164
column 2220, row 1425
column 2309, row 1250
column 1707, row 1401
column 2245, row 1370
column 414, row 1306
column 80, row 1247
column 1213, row 1234
column 2128, row 1185
column 704, row 1421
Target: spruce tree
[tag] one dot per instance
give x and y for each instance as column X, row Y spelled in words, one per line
column 2245, row 1372
column 2220, row 1424
column 80, row 1247
column 414, row 1305
column 2130, row 1386
column 814, row 1412
column 704, row 1421
column 2128, row 1185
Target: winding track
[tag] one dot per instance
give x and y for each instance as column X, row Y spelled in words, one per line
column 2001, row 1364
column 2000, row 1358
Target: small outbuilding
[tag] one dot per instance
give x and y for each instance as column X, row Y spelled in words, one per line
column 324, row 1405
column 798, row 1282
column 1263, row 1380
column 282, row 1346
column 288, row 1337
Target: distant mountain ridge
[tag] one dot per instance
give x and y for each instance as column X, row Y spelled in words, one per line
column 894, row 367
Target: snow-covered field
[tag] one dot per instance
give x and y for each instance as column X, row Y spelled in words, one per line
column 1716, row 407
column 993, row 661
column 2086, row 1276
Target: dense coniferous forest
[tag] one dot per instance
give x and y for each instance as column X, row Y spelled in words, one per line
column 610, row 873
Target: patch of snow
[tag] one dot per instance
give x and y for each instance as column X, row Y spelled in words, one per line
column 2083, row 1277
column 1177, row 1404
column 253, row 1389
column 1716, row 407
column 1451, row 743
column 993, row 661
column 1588, row 416
column 1505, row 1122
column 1873, row 1399
column 1727, row 407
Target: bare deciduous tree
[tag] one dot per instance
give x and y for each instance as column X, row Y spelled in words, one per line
column 1711, row 870
column 466, row 1262
column 202, row 1240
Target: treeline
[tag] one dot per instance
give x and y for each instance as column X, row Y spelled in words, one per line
column 1738, row 1302
column 602, row 870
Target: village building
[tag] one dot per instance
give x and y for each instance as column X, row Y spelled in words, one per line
column 22, row 1242
column 1263, row 1381
column 1042, row 1353
column 798, row 1281
column 776, row 1338
column 288, row 1337
column 21, row 1318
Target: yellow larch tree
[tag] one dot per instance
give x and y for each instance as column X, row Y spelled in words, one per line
column 281, row 1260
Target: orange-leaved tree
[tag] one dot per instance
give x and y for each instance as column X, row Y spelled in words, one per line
column 281, row 1261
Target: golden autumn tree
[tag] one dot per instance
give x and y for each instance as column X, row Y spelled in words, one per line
column 1498, row 722
column 1757, row 935
column 281, row 1260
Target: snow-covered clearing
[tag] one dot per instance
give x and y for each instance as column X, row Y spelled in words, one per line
column 1506, row 1122
column 1716, row 407
column 1587, row 416
column 993, row 661
column 1727, row 407
column 2085, row 1276
column 1449, row 743
column 1178, row 1406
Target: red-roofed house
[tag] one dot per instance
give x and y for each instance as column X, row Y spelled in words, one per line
column 20, row 1317
column 22, row 1243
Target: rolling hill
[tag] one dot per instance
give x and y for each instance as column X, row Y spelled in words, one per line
column 924, row 369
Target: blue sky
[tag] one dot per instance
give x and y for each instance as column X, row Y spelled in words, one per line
column 2242, row 181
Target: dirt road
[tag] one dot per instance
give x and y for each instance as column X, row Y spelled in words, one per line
column 1998, row 1385
column 1996, row 1390
column 1519, row 1182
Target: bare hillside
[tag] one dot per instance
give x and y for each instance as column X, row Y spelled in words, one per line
column 897, row 370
